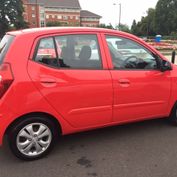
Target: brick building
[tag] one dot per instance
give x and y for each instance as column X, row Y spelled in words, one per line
column 89, row 19
column 68, row 12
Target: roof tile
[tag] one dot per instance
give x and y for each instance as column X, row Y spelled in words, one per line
column 58, row 3
column 86, row 13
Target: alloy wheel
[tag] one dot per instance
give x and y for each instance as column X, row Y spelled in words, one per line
column 34, row 139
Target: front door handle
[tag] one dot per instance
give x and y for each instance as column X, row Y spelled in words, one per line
column 124, row 81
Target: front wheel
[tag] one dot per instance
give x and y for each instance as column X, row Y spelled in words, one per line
column 32, row 138
column 173, row 115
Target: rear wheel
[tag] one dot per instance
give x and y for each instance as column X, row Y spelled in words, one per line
column 32, row 138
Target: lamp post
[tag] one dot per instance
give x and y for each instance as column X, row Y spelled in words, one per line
column 120, row 9
column 120, row 13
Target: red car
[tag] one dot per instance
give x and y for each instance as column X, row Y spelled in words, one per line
column 57, row 81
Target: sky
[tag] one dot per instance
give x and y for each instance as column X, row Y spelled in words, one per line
column 131, row 9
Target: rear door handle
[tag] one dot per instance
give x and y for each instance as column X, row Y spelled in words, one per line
column 124, row 82
column 48, row 81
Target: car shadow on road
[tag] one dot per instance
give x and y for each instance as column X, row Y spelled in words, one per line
column 103, row 135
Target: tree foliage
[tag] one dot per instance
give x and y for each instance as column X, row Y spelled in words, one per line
column 134, row 27
column 54, row 23
column 166, row 17
column 161, row 20
column 11, row 15
column 146, row 26
column 102, row 25
column 123, row 27
column 58, row 23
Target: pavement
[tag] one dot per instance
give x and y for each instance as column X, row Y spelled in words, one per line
column 145, row 149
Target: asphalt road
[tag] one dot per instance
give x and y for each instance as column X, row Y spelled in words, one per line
column 146, row 149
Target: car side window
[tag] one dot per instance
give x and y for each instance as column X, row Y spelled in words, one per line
column 70, row 52
column 78, row 51
column 46, row 52
column 127, row 54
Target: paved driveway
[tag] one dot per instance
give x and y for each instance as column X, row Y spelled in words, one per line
column 147, row 149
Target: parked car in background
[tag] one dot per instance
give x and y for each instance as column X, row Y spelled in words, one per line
column 58, row 81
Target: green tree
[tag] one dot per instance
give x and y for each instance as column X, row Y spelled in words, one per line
column 134, row 27
column 150, row 22
column 11, row 15
column 146, row 26
column 106, row 26
column 54, row 23
column 166, row 17
column 123, row 27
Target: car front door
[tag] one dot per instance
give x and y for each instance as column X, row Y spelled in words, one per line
column 141, row 90
column 70, row 72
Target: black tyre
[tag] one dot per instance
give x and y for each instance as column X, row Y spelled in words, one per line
column 32, row 138
column 173, row 115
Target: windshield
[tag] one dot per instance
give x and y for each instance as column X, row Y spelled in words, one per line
column 4, row 46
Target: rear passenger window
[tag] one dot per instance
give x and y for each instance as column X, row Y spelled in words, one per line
column 70, row 51
column 46, row 52
column 4, row 46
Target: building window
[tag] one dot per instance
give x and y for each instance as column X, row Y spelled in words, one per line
column 59, row 17
column 42, row 16
column 42, row 9
column 33, row 15
column 25, row 7
column 32, row 8
column 47, row 16
column 53, row 16
column 77, row 17
column 42, row 23
column 65, row 17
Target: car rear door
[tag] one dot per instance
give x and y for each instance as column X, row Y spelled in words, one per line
column 70, row 71
column 141, row 90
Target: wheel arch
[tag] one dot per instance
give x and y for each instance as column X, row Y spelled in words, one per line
column 40, row 114
column 173, row 108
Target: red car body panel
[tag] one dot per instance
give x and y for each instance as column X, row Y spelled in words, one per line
column 83, row 99
column 138, row 94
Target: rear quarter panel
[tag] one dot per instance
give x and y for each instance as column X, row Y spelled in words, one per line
column 22, row 97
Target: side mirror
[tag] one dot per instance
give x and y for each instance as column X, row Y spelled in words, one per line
column 165, row 65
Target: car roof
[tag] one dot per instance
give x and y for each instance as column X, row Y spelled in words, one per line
column 50, row 30
column 36, row 32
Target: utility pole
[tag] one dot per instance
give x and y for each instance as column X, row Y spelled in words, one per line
column 120, row 9
column 120, row 14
